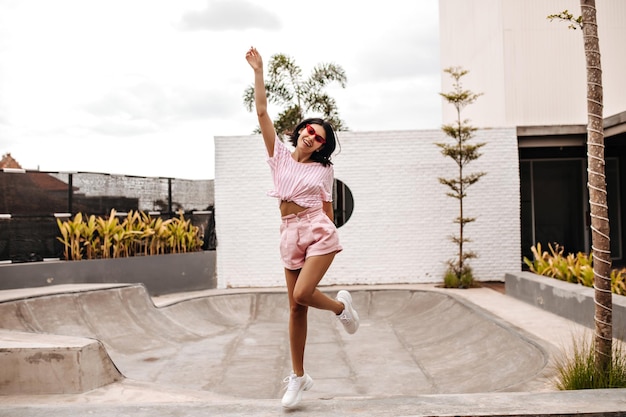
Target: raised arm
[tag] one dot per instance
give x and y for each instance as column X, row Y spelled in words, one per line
column 260, row 100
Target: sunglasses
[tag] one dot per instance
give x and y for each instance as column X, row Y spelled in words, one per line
column 311, row 131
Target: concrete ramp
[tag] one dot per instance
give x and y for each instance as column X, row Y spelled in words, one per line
column 35, row 364
column 410, row 342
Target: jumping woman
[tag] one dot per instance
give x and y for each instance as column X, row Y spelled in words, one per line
column 303, row 183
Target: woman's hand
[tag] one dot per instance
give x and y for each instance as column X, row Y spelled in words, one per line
column 254, row 59
column 260, row 100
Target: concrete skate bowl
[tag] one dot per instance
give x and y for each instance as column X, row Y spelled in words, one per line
column 410, row 342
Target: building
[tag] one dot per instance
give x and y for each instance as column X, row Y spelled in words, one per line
column 532, row 117
column 532, row 73
column 398, row 229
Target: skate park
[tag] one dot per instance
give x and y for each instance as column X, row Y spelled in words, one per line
column 112, row 349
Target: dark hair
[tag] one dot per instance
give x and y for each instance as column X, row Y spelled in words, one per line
column 324, row 153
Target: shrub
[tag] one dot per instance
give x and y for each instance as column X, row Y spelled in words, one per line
column 618, row 281
column 571, row 268
column 578, row 371
column 459, row 279
column 138, row 234
column 450, row 280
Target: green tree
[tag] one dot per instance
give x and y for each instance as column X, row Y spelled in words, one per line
column 459, row 273
column 600, row 241
column 299, row 97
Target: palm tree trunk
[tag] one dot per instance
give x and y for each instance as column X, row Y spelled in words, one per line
column 597, row 190
column 461, row 191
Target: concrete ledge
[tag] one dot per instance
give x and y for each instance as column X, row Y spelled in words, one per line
column 161, row 274
column 572, row 301
column 34, row 364
column 137, row 401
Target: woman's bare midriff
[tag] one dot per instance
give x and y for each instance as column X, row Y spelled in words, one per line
column 289, row 207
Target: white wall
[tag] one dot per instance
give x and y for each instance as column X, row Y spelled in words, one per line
column 402, row 216
column 531, row 70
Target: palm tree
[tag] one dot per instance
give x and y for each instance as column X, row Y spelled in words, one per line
column 299, row 97
column 597, row 189
column 600, row 241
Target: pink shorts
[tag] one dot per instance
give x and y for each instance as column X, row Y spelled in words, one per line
column 308, row 233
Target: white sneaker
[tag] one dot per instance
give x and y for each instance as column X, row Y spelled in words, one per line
column 295, row 386
column 348, row 317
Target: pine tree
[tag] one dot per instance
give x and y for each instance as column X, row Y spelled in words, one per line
column 459, row 273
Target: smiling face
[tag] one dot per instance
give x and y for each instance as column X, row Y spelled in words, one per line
column 312, row 137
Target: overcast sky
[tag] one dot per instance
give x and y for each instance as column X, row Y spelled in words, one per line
column 141, row 87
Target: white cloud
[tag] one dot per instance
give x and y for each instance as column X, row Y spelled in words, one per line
column 129, row 76
column 223, row 15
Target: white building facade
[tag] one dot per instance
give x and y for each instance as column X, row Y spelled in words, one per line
column 533, row 76
column 398, row 230
column 530, row 69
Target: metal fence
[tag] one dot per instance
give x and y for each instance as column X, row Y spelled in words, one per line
column 31, row 201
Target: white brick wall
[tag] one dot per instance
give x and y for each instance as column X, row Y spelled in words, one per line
column 398, row 232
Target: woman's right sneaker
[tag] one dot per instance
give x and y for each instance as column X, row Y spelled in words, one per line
column 295, row 386
column 348, row 317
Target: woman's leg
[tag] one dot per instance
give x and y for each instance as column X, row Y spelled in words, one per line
column 297, row 324
column 306, row 292
column 302, row 291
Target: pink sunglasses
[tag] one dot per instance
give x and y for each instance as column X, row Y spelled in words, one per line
column 311, row 131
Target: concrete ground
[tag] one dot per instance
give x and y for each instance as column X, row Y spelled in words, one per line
column 421, row 350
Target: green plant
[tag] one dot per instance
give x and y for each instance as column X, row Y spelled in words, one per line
column 464, row 279
column 71, row 237
column 90, row 239
column 107, row 229
column 571, row 268
column 618, row 281
column 450, row 280
column 137, row 234
column 578, row 370
column 462, row 152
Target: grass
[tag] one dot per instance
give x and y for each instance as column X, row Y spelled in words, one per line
column 577, row 370
column 452, row 279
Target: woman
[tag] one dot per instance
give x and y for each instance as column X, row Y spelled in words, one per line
column 303, row 182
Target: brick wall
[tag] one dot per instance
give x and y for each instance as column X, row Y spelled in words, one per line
column 398, row 232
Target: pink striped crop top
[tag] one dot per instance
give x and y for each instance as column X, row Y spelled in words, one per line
column 306, row 184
